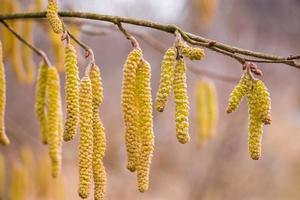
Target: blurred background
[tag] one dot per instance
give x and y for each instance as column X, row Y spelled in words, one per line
column 221, row 168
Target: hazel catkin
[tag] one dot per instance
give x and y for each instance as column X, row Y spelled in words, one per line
column 166, row 78
column 145, row 121
column 53, row 135
column 86, row 137
column 71, row 88
column 99, row 140
column 129, row 107
column 193, row 53
column 53, row 17
column 3, row 137
column 40, row 100
column 241, row 89
column 212, row 108
column 181, row 102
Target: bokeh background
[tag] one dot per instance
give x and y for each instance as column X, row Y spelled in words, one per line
column 222, row 168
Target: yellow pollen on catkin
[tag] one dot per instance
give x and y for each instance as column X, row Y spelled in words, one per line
column 193, row 53
column 145, row 124
column 3, row 137
column 129, row 107
column 99, row 140
column 241, row 89
column 53, row 116
column 181, row 102
column 71, row 89
column 40, row 100
column 259, row 106
column 166, row 78
column 86, row 137
column 58, row 50
column 53, row 17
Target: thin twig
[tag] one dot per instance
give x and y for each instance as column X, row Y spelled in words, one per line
column 133, row 41
column 169, row 28
column 19, row 37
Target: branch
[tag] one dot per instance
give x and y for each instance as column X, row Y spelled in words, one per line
column 189, row 37
column 19, row 37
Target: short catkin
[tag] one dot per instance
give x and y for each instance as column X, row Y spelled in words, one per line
column 53, row 17
column 145, row 124
column 99, row 140
column 241, row 89
column 166, row 78
column 71, row 89
column 193, row 53
column 53, row 135
column 129, row 107
column 181, row 102
column 86, row 137
column 41, row 100
column 3, row 137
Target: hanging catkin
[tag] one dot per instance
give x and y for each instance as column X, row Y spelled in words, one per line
column 17, row 183
column 99, row 140
column 259, row 105
column 54, row 112
column 3, row 137
column 86, row 137
column 130, row 108
column 71, row 89
column 145, row 121
column 58, row 50
column 40, row 100
column 202, row 110
column 166, row 78
column 2, row 175
column 193, row 53
column 241, row 89
column 212, row 108
column 53, row 17
column 181, row 102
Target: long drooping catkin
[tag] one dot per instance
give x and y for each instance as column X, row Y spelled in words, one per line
column 212, row 108
column 3, row 137
column 58, row 50
column 145, row 120
column 17, row 182
column 193, row 53
column 53, row 17
column 166, row 78
column 99, row 140
column 53, row 103
column 130, row 108
column 86, row 137
column 240, row 90
column 259, row 105
column 40, row 100
column 2, row 175
column 71, row 88
column 181, row 102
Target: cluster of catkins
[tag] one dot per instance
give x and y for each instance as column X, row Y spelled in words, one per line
column 173, row 75
column 207, row 110
column 259, row 109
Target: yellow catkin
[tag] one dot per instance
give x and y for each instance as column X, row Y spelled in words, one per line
column 99, row 140
column 58, row 50
column 166, row 78
column 3, row 137
column 86, row 137
column 71, row 89
column 259, row 105
column 241, row 89
column 130, row 108
column 2, row 176
column 212, row 108
column 207, row 11
column 40, row 100
column 43, row 179
column 17, row 183
column 193, row 53
column 53, row 102
column 202, row 110
column 53, row 17
column 6, row 36
column 145, row 128
column 181, row 102
column 27, row 57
